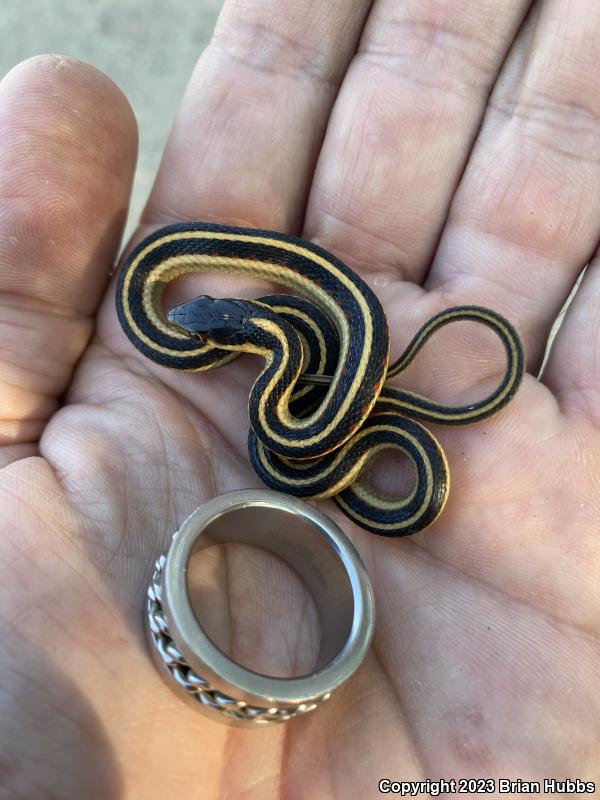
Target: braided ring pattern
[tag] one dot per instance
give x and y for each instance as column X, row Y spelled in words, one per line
column 194, row 684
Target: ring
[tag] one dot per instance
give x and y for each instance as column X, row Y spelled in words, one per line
column 324, row 558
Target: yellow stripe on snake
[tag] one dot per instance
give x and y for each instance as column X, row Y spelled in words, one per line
column 319, row 410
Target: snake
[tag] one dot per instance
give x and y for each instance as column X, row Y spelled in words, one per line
column 321, row 408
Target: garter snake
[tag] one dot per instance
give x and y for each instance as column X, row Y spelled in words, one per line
column 307, row 440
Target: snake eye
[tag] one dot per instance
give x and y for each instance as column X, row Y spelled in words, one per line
column 196, row 337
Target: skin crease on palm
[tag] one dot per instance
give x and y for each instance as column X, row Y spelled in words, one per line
column 449, row 153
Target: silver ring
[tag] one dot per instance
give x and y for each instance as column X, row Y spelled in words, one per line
column 331, row 569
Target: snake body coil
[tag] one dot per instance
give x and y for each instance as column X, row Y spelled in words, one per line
column 308, row 440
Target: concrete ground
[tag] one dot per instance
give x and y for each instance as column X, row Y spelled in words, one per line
column 147, row 47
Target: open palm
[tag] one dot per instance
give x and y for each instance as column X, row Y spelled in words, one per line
column 450, row 154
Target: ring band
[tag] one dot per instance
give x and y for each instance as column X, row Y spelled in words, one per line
column 324, row 558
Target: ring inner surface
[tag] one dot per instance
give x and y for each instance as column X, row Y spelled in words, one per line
column 305, row 547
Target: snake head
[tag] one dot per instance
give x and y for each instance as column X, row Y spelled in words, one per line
column 206, row 318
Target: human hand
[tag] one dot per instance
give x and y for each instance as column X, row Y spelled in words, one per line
column 441, row 173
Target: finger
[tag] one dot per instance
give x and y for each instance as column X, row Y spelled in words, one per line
column 67, row 154
column 573, row 367
column 402, row 128
column 251, row 123
column 527, row 214
column 243, row 148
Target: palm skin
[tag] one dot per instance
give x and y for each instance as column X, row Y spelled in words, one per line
column 485, row 659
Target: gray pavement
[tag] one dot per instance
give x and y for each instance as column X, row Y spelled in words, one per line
column 147, row 47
